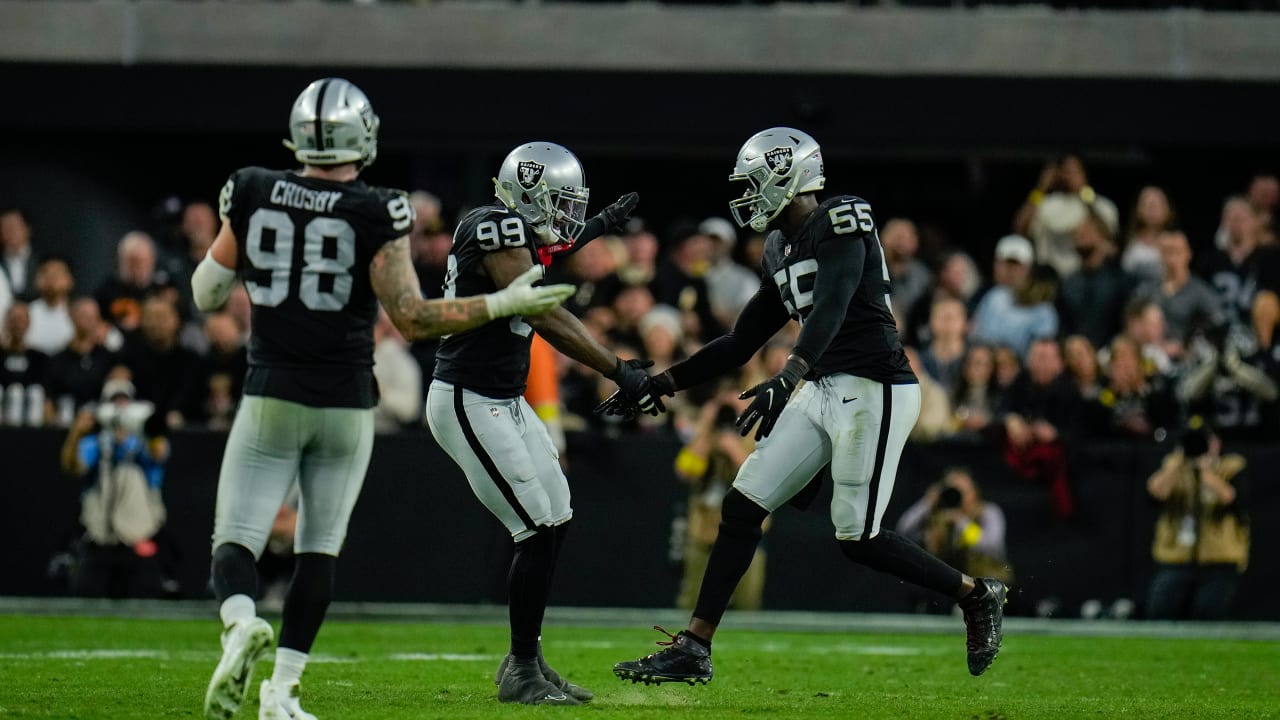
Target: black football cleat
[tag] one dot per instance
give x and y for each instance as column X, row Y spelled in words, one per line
column 577, row 692
column 683, row 660
column 522, row 682
column 983, row 617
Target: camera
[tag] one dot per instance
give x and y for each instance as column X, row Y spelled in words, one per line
column 948, row 499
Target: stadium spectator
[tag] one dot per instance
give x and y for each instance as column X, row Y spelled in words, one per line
column 1018, row 309
column 1061, row 200
column 753, row 251
column 958, row 279
column 1233, row 270
column 74, row 377
column 121, row 468
column 1081, row 362
column 120, row 297
column 681, row 283
column 592, row 269
column 1144, row 324
column 1238, row 221
column 430, row 242
column 953, row 522
column 1008, row 366
column 399, row 379
column 1186, row 302
column 1039, row 413
column 51, row 328
column 1264, row 196
column 17, row 261
column 708, row 464
column 935, row 405
column 943, row 357
column 1131, row 406
column 729, row 284
column 195, row 235
column 224, row 370
column 662, row 336
column 1152, row 215
column 630, row 306
column 977, row 395
column 165, row 373
column 910, row 279
column 1231, row 380
column 1201, row 543
column 1094, row 296
column 22, row 371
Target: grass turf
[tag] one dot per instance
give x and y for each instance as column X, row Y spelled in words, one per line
column 120, row 669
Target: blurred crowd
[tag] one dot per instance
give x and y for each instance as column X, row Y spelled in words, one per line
column 1091, row 322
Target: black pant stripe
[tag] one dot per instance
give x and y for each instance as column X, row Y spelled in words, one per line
column 503, row 486
column 886, row 416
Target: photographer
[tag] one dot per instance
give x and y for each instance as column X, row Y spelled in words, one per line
column 1201, row 541
column 1059, row 203
column 708, row 464
column 954, row 523
column 121, row 507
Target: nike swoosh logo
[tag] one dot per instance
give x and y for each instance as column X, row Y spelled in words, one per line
column 770, row 391
column 846, row 401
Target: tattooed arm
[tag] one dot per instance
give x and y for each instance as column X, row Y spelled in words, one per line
column 396, row 285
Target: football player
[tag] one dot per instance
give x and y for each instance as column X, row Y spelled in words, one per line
column 317, row 249
column 823, row 267
column 475, row 406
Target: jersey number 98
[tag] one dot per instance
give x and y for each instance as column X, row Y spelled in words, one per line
column 279, row 260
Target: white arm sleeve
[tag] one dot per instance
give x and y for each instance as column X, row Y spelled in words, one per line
column 211, row 284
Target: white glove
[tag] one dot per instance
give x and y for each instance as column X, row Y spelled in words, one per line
column 522, row 298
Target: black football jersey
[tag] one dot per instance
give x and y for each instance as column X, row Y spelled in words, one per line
column 493, row 359
column 305, row 245
column 867, row 344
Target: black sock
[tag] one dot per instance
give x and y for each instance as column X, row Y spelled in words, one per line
column 307, row 601
column 697, row 638
column 730, row 556
column 978, row 592
column 891, row 553
column 528, row 584
column 234, row 571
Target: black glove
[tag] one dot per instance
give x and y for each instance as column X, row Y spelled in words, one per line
column 636, row 388
column 616, row 214
column 619, row 404
column 770, row 397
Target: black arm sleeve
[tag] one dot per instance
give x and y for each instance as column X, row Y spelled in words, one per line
column 763, row 316
column 839, row 272
column 594, row 228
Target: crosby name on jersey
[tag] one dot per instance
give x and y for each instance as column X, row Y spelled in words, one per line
column 305, row 245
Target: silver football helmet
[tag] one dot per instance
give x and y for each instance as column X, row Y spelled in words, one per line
column 331, row 123
column 545, row 184
column 777, row 164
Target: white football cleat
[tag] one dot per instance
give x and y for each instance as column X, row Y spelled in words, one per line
column 276, row 703
column 243, row 644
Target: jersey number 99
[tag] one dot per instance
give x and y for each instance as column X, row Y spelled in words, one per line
column 278, row 260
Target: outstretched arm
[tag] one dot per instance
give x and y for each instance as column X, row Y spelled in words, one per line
column 396, row 285
column 763, row 316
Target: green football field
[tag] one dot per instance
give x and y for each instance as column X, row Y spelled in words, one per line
column 78, row 667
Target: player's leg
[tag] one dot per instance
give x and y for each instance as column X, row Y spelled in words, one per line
column 259, row 464
column 781, row 465
column 335, row 459
column 867, row 441
column 546, row 461
column 484, row 436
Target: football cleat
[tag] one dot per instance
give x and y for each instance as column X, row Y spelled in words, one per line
column 522, row 682
column 683, row 660
column 983, row 617
column 577, row 692
column 277, row 703
column 243, row 644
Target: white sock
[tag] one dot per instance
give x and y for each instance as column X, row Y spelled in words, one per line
column 236, row 608
column 289, row 667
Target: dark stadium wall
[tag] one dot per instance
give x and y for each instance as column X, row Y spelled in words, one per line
column 420, row 536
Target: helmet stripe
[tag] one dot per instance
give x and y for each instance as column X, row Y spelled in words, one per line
column 319, row 109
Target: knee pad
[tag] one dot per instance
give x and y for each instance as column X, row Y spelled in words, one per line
column 739, row 515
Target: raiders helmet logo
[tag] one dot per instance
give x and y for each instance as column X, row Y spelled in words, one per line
column 779, row 160
column 530, row 173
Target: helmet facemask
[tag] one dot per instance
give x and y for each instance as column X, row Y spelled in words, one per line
column 765, row 196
